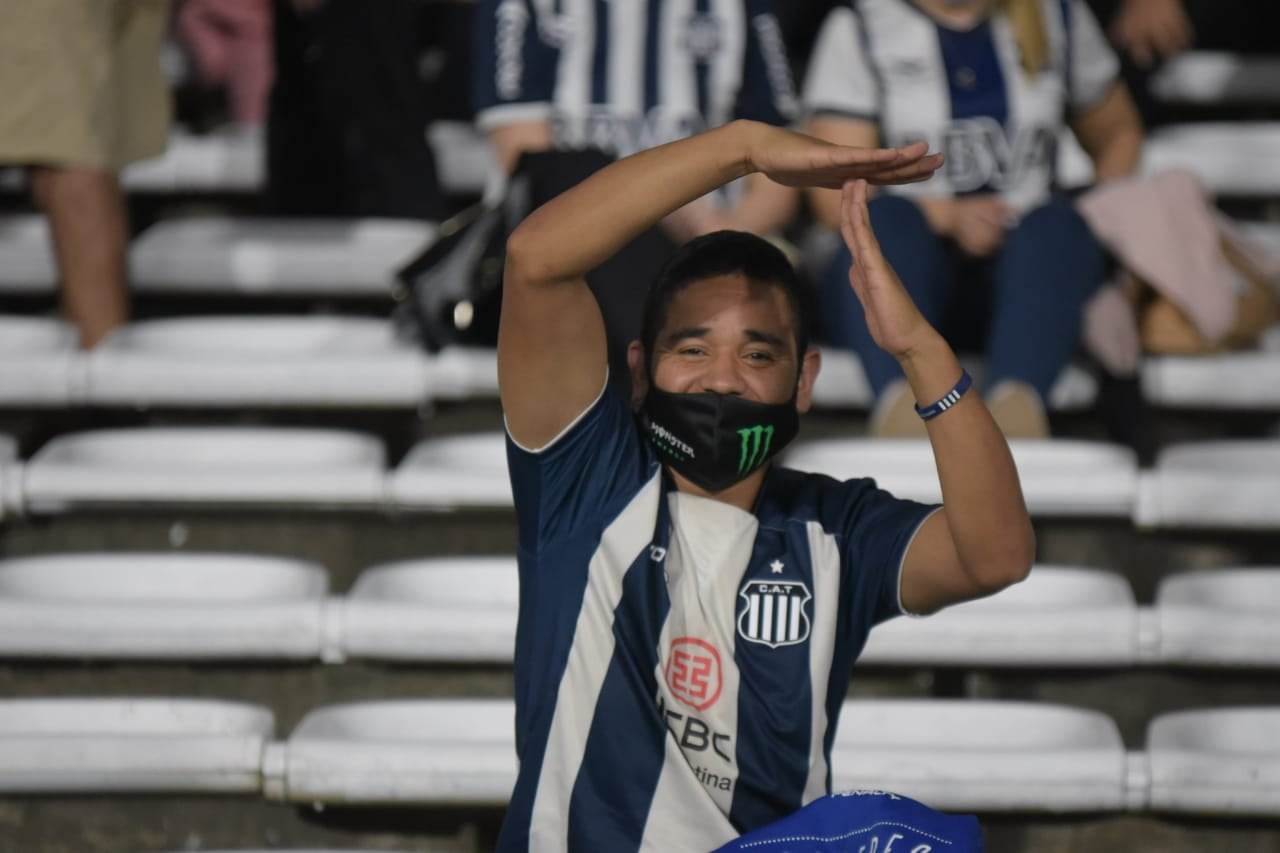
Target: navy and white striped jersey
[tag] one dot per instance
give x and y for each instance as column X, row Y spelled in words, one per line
column 964, row 91
column 626, row 75
column 679, row 663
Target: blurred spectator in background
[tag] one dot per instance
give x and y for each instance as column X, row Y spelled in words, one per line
column 349, row 111
column 1148, row 32
column 986, row 250
column 229, row 42
column 623, row 77
column 85, row 97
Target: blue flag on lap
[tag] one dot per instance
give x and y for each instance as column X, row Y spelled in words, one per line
column 864, row 822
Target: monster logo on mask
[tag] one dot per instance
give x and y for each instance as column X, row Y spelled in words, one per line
column 716, row 440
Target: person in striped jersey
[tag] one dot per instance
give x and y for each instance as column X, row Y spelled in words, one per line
column 987, row 249
column 624, row 76
column 689, row 611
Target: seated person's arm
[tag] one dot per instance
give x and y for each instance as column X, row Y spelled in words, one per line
column 939, row 210
column 551, row 341
column 1111, row 134
column 842, row 131
column 765, row 207
column 510, row 140
column 982, row 539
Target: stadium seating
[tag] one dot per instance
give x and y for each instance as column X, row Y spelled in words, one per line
column 175, row 606
column 454, row 472
column 1060, row 616
column 1060, row 477
column 97, row 745
column 40, row 363
column 259, row 361
column 1243, row 380
column 842, row 383
column 28, row 255
column 356, row 257
column 972, row 755
column 450, row 610
column 1232, row 159
column 1220, row 617
column 205, row 467
column 1221, row 761
column 1229, row 484
column 438, row 751
column 224, row 161
column 1215, row 78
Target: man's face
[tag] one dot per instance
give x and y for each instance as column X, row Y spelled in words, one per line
column 730, row 335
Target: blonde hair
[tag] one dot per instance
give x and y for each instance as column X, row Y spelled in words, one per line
column 1027, row 20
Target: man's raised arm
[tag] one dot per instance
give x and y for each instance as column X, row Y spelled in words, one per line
column 551, row 342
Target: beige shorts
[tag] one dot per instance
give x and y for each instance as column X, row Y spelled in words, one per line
column 83, row 84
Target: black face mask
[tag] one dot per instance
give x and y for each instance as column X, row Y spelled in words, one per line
column 716, row 440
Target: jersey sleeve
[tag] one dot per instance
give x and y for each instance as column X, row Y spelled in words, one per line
column 841, row 80
column 514, row 68
column 583, row 478
column 1093, row 66
column 768, row 93
column 880, row 529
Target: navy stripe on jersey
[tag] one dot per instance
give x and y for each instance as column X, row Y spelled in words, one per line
column 772, row 776
column 864, row 37
column 600, row 61
column 702, row 64
column 653, row 49
column 512, row 63
column 974, row 78
column 619, row 774
column 767, row 93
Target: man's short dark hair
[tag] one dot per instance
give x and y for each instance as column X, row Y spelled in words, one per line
column 726, row 253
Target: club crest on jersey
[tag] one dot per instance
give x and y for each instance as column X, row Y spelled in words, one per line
column 773, row 613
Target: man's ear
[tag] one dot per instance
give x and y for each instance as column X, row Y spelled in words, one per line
column 639, row 371
column 809, row 367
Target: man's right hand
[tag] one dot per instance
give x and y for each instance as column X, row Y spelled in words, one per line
column 796, row 160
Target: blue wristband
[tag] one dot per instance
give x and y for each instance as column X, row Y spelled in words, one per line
column 948, row 400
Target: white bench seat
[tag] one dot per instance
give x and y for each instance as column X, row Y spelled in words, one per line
column 1223, row 761
column 1220, row 617
column 160, row 606
column 462, row 471
column 983, row 756
column 1243, row 380
column 842, row 383
column 439, row 751
column 1059, row 477
column 29, row 265
column 1216, row 77
column 1230, row 484
column 1059, row 616
column 107, row 746
column 206, row 467
column 225, row 161
column 41, row 365
column 261, row 361
column 459, row 609
column 1231, row 158
column 281, row 257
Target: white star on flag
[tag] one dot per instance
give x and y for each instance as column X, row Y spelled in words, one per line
column 776, row 567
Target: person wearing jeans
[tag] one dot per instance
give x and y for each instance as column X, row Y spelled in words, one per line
column 993, row 257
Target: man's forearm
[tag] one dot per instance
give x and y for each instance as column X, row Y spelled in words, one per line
column 576, row 231
column 980, row 490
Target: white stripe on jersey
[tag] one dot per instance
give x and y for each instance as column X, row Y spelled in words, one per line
column 577, row 55
column 625, row 86
column 726, row 71
column 589, row 657
column 677, row 86
column 824, row 556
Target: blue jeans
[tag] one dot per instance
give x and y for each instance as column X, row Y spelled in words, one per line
column 1021, row 306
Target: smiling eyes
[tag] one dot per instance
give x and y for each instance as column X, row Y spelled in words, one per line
column 756, row 356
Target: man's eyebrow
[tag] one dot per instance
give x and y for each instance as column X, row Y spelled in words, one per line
column 758, row 337
column 687, row 332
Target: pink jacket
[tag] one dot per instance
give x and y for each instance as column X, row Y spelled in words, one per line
column 1165, row 230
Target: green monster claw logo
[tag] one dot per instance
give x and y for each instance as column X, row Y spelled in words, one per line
column 755, row 446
